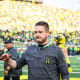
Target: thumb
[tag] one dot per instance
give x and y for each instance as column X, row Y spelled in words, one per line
column 9, row 55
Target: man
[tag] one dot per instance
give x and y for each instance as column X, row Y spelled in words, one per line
column 9, row 73
column 60, row 42
column 45, row 60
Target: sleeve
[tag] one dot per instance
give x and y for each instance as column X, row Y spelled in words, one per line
column 21, row 61
column 62, row 65
column 14, row 54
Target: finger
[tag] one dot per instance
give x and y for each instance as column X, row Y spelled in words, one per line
column 9, row 55
column 8, row 68
column 4, row 57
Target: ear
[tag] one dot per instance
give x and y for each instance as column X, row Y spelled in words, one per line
column 48, row 33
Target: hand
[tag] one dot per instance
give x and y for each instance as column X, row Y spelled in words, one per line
column 8, row 68
column 5, row 57
column 6, row 72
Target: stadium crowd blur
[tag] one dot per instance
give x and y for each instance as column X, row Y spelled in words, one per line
column 17, row 19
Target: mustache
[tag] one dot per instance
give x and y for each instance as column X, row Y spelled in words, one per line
column 37, row 37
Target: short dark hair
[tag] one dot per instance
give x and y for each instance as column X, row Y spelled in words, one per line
column 7, row 41
column 42, row 23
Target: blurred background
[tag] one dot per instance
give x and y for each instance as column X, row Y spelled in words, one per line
column 17, row 20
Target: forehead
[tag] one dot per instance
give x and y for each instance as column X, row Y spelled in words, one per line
column 39, row 28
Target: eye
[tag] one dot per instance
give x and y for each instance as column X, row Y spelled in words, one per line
column 35, row 32
column 40, row 32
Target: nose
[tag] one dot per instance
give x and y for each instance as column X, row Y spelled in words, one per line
column 37, row 35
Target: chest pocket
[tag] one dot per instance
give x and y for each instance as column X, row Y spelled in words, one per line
column 49, row 61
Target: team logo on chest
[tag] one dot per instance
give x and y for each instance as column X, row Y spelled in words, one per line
column 47, row 60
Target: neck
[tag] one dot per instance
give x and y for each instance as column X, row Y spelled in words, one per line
column 45, row 43
column 9, row 48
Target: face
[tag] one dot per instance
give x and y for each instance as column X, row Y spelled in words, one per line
column 8, row 45
column 41, row 35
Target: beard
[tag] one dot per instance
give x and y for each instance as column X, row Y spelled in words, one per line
column 42, row 40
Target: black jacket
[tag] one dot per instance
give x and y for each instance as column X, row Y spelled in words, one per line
column 14, row 56
column 44, row 63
